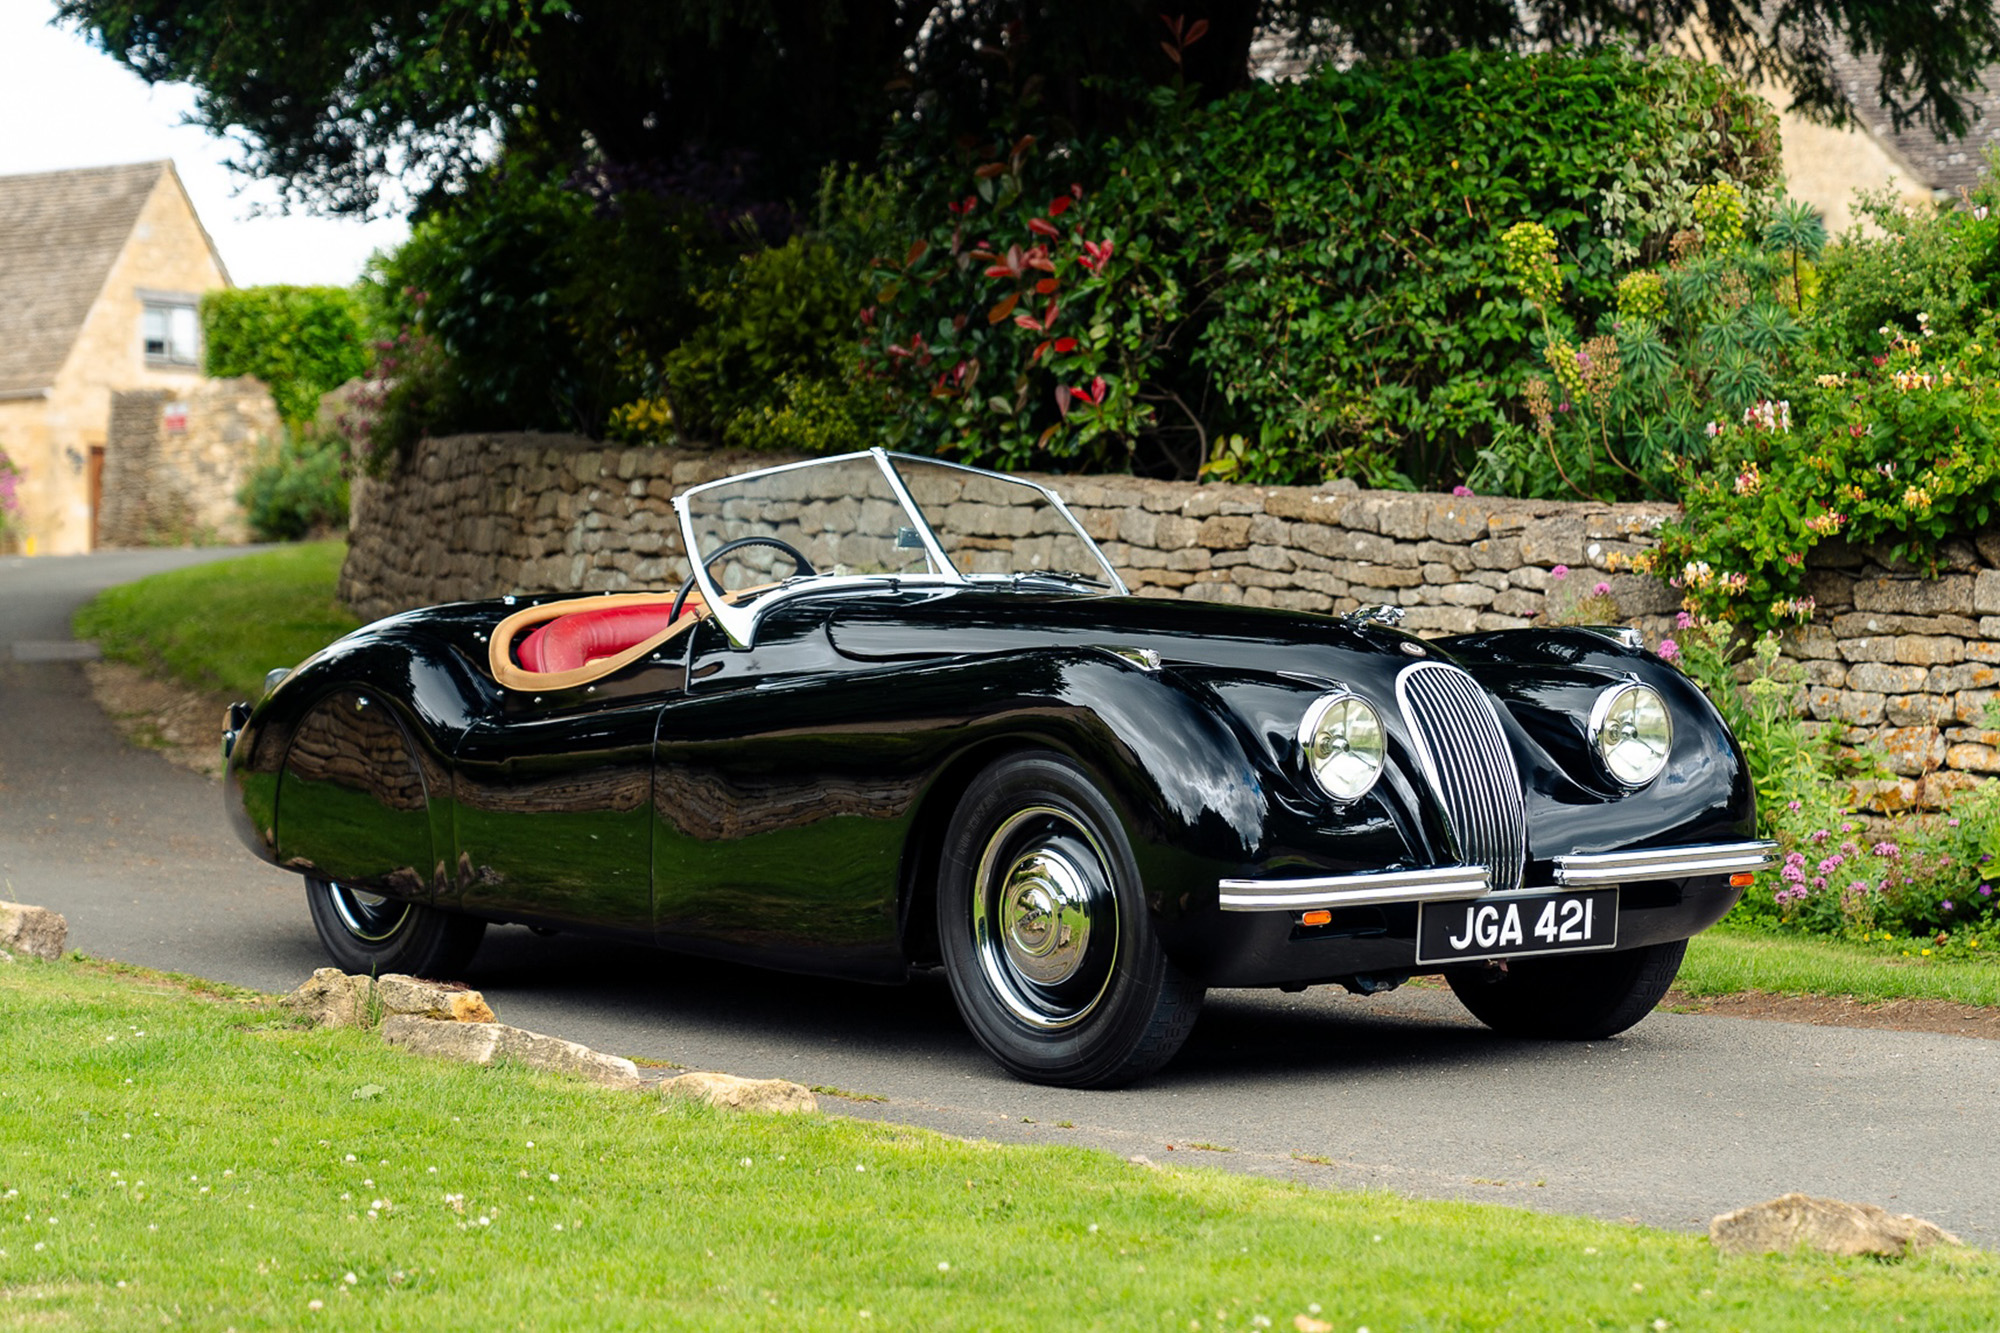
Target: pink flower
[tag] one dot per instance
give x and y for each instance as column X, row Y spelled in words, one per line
column 1462, row 491
column 1602, row 589
column 1559, row 572
column 1669, row 651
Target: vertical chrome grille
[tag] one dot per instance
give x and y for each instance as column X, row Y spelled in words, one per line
column 1469, row 766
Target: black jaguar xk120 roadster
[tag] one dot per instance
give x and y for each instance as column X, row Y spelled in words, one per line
column 904, row 714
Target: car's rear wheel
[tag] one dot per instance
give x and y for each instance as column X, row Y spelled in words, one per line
column 1578, row 998
column 368, row 933
column 1046, row 937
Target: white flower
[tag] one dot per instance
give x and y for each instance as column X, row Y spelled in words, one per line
column 944, row 1266
column 315, row 1305
column 350, row 1279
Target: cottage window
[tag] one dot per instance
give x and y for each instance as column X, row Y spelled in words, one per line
column 171, row 334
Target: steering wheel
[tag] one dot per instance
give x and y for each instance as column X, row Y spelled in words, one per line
column 800, row 566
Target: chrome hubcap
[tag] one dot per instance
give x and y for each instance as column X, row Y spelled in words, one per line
column 1045, row 918
column 369, row 917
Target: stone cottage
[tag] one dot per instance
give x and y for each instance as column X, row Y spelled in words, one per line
column 101, row 270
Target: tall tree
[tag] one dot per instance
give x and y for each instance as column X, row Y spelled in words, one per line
column 335, row 100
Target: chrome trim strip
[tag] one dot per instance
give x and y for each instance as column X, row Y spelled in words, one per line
column 1431, row 884
column 1487, row 800
column 1717, row 858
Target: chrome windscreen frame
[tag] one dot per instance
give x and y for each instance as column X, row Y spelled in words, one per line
column 740, row 622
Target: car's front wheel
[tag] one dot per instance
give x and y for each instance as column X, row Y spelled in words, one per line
column 368, row 933
column 1046, row 937
column 1579, row 998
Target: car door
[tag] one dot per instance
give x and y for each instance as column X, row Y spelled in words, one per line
column 553, row 806
column 782, row 798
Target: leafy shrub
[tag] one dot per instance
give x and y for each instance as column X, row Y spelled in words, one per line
column 299, row 490
column 1017, row 326
column 770, row 365
column 1303, row 278
column 529, row 305
column 1902, row 455
column 1940, row 263
column 1705, row 338
column 300, row 341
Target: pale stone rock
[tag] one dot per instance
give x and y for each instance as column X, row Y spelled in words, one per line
column 1981, row 651
column 1887, row 679
column 1972, row 758
column 474, row 1043
column 1949, row 595
column 399, row 994
column 1458, row 520
column 1464, row 594
column 483, row 1043
column 35, row 931
column 1553, row 541
column 1971, row 705
column 743, row 1094
column 1224, row 533
column 1928, row 650
column 1986, row 591
column 1917, row 710
column 1908, row 750
column 1175, row 532
column 1377, row 576
column 332, row 999
column 1860, row 624
column 1970, row 676
column 1869, row 650
column 1496, row 553
column 1831, row 1226
column 1441, row 619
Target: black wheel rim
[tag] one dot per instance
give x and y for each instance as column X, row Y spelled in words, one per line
column 1045, row 918
column 368, row 917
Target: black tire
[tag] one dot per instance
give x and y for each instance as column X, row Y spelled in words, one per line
column 366, row 933
column 1083, row 997
column 1581, row 998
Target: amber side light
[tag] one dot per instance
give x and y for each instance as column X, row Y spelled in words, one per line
column 1317, row 917
column 1742, row 879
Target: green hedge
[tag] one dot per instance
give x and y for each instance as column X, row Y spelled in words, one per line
column 301, row 341
column 1314, row 269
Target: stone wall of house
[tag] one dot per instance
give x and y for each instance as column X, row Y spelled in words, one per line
column 1906, row 662
column 175, row 459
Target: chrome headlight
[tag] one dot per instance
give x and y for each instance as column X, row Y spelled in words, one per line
column 1633, row 733
column 1341, row 737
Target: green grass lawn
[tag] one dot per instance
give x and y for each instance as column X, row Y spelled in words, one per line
column 1724, row 961
column 221, row 626
column 170, row 1159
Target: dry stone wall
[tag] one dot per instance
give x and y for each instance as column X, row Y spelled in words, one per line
column 175, row 460
column 1906, row 663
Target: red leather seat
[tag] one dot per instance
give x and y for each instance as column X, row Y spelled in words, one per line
column 583, row 637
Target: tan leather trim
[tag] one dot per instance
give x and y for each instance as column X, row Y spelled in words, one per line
column 510, row 675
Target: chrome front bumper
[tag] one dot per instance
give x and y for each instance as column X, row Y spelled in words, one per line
column 1451, row 883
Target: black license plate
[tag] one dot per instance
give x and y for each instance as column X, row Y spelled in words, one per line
column 1517, row 925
